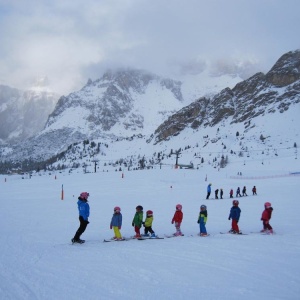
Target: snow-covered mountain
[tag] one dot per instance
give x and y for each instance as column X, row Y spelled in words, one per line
column 24, row 113
column 136, row 119
column 121, row 103
column 259, row 95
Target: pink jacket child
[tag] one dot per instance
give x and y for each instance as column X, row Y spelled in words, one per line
column 266, row 216
column 177, row 219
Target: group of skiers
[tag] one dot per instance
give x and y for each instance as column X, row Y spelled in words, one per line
column 137, row 222
column 238, row 192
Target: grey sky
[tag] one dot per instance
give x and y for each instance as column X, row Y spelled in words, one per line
column 73, row 40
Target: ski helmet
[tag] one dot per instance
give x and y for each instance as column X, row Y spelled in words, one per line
column 117, row 209
column 235, row 202
column 268, row 204
column 179, row 207
column 203, row 207
column 139, row 207
column 149, row 212
column 84, row 195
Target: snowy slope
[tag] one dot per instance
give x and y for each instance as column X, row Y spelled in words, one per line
column 39, row 262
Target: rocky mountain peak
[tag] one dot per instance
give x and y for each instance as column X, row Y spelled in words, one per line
column 286, row 70
column 256, row 96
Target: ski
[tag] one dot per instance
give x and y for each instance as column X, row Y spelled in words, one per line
column 263, row 233
column 150, row 238
column 107, row 241
column 172, row 236
column 234, row 233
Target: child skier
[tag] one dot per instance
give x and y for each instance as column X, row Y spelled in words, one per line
column 216, row 194
column 254, row 190
column 244, row 191
column 202, row 220
column 116, row 223
column 221, row 193
column 235, row 213
column 148, row 224
column 238, row 192
column 231, row 193
column 177, row 219
column 84, row 213
column 266, row 216
column 137, row 221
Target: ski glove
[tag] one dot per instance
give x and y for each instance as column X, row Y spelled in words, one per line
column 119, row 227
column 110, row 227
column 132, row 224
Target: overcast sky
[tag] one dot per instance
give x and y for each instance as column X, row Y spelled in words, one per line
column 73, row 40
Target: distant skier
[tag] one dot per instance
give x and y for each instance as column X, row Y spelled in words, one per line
column 238, row 192
column 208, row 191
column 244, row 191
column 231, row 193
column 216, row 194
column 254, row 190
column 221, row 193
column 84, row 213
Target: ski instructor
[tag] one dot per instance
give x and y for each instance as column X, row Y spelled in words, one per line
column 84, row 212
column 208, row 191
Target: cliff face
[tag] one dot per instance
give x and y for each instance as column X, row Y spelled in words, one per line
column 258, row 95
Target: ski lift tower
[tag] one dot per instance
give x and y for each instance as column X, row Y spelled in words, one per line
column 95, row 161
column 177, row 153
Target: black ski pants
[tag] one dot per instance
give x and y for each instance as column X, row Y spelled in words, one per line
column 81, row 228
column 148, row 229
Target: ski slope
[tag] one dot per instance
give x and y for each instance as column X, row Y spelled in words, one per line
column 38, row 260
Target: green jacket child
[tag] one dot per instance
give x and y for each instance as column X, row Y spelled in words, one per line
column 138, row 220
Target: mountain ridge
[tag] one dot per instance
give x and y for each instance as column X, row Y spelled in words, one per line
column 213, row 120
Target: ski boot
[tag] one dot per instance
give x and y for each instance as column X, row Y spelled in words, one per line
column 79, row 241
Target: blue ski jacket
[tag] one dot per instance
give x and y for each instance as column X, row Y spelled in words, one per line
column 235, row 213
column 116, row 220
column 209, row 188
column 84, row 209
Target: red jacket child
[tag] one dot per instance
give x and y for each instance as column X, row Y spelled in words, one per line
column 177, row 218
column 265, row 217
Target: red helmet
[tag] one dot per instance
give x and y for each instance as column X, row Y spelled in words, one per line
column 149, row 212
column 117, row 209
column 268, row 204
column 235, row 202
column 84, row 195
column 179, row 207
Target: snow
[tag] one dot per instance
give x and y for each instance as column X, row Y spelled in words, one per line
column 38, row 260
